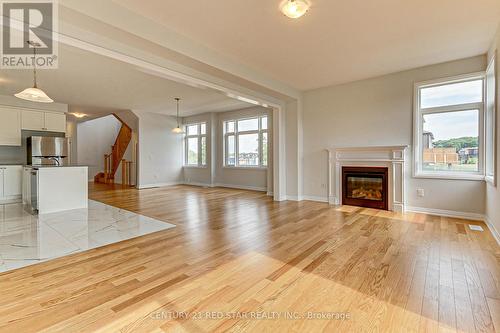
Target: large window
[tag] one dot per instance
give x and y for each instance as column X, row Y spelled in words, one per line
column 246, row 142
column 449, row 126
column 196, row 144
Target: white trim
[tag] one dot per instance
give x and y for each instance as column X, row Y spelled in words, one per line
column 492, row 228
column 315, row 198
column 11, row 199
column 490, row 121
column 392, row 157
column 197, row 184
column 233, row 186
column 155, row 185
column 451, row 176
column 451, row 79
column 242, row 187
column 446, row 213
column 262, row 168
column 490, row 180
column 195, row 167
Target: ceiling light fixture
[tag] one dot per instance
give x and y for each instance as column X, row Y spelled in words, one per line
column 178, row 129
column 34, row 94
column 79, row 115
column 294, row 8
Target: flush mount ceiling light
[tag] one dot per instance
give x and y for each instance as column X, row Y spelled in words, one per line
column 34, row 94
column 294, row 8
column 178, row 129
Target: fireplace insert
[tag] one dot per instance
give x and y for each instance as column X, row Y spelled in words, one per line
column 365, row 187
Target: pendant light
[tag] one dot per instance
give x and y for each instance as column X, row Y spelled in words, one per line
column 178, row 129
column 294, row 8
column 34, row 94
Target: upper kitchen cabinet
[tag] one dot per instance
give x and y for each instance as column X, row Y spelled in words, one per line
column 10, row 127
column 33, row 120
column 55, row 122
column 43, row 121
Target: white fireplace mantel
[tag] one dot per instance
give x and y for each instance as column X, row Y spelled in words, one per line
column 391, row 157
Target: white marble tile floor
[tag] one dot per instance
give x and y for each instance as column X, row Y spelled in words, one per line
column 27, row 239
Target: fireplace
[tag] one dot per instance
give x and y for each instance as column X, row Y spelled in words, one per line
column 365, row 187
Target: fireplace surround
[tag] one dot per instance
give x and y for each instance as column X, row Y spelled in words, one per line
column 391, row 157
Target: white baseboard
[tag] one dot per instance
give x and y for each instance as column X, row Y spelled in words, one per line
column 11, row 199
column 447, row 213
column 293, row 198
column 242, row 187
column 154, row 185
column 239, row 187
column 492, row 228
column 315, row 198
column 198, row 184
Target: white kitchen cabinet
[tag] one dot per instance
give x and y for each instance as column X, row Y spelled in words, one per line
column 34, row 120
column 55, row 122
column 10, row 127
column 11, row 181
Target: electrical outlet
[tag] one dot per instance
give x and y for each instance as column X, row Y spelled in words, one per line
column 420, row 192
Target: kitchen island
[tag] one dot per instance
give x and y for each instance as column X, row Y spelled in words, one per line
column 49, row 189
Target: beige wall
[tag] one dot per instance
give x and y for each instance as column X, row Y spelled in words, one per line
column 493, row 192
column 379, row 111
column 215, row 173
column 160, row 151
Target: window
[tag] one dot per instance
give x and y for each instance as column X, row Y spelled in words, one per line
column 196, row 144
column 246, row 142
column 490, row 116
column 448, row 128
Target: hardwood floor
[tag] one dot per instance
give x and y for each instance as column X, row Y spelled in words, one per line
column 237, row 253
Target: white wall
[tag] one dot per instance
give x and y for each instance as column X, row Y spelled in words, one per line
column 379, row 111
column 215, row 174
column 160, row 151
column 94, row 139
column 72, row 135
column 493, row 192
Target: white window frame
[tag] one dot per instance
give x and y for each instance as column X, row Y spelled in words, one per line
column 236, row 134
column 491, row 105
column 418, row 114
column 186, row 148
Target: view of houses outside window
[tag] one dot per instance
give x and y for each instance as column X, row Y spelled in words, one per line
column 246, row 143
column 454, row 148
column 450, row 126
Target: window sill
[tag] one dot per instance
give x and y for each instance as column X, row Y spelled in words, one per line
column 475, row 177
column 244, row 168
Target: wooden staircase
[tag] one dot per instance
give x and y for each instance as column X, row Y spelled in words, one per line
column 112, row 160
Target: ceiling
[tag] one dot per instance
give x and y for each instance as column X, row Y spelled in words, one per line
column 97, row 85
column 336, row 41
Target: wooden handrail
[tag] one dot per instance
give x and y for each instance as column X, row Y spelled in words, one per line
column 112, row 161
